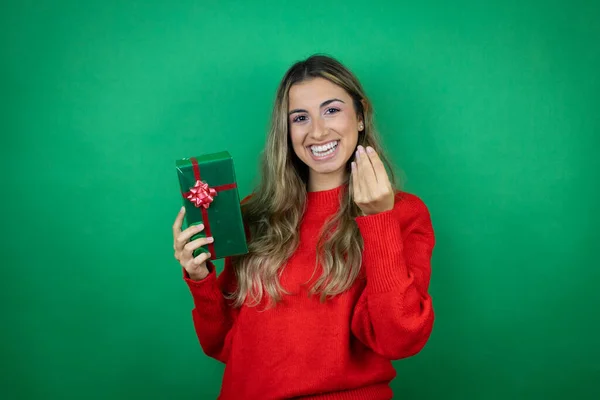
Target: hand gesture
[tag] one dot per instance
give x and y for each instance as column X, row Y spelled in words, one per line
column 184, row 249
column 372, row 190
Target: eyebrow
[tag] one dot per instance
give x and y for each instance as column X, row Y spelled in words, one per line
column 323, row 104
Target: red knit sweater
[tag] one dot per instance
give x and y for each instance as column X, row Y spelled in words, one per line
column 341, row 349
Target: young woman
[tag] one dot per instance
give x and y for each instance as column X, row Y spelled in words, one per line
column 335, row 284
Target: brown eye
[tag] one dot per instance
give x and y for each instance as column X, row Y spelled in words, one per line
column 299, row 118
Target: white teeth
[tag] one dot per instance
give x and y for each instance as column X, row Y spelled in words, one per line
column 324, row 150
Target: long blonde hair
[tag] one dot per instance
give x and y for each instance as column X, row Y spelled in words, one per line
column 273, row 220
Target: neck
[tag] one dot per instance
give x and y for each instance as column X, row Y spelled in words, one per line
column 320, row 182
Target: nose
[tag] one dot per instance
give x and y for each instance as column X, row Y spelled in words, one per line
column 319, row 129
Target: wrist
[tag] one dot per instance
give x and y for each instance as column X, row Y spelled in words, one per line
column 198, row 275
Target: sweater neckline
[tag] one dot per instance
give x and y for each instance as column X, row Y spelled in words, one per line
column 324, row 201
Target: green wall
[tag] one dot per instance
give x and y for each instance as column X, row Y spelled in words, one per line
column 491, row 111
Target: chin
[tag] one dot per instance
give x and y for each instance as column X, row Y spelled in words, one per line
column 330, row 169
column 333, row 169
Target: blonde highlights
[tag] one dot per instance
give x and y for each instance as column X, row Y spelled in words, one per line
column 273, row 220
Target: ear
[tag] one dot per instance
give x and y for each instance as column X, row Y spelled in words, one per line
column 365, row 109
column 360, row 120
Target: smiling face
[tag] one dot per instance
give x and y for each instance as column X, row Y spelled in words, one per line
column 323, row 126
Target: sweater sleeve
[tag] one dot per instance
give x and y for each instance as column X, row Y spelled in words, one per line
column 212, row 314
column 394, row 314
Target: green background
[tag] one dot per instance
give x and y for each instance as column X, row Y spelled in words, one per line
column 490, row 110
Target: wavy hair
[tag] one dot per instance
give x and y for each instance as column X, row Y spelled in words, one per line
column 272, row 219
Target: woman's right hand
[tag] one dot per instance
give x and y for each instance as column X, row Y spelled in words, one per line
column 184, row 249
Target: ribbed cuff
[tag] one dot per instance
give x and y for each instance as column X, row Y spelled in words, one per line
column 383, row 254
column 206, row 289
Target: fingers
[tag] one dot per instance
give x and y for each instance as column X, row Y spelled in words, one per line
column 194, row 267
column 185, row 236
column 366, row 172
column 201, row 259
column 188, row 249
column 354, row 180
column 378, row 168
column 365, row 180
column 380, row 188
column 178, row 222
column 357, row 178
column 184, row 249
column 371, row 185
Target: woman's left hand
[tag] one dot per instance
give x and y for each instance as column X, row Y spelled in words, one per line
column 373, row 192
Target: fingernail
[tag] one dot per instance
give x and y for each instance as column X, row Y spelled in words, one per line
column 200, row 227
column 209, row 255
column 182, row 209
column 210, row 239
column 353, row 165
column 370, row 149
column 361, row 149
column 357, row 156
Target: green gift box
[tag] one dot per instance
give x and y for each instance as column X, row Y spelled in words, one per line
column 210, row 196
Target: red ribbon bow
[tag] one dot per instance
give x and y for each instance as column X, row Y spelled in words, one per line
column 201, row 195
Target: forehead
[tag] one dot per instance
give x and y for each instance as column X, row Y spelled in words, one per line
column 315, row 91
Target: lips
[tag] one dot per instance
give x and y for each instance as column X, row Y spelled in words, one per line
column 324, row 151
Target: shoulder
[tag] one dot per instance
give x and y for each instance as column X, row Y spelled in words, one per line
column 409, row 203
column 249, row 200
column 245, row 199
column 412, row 211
